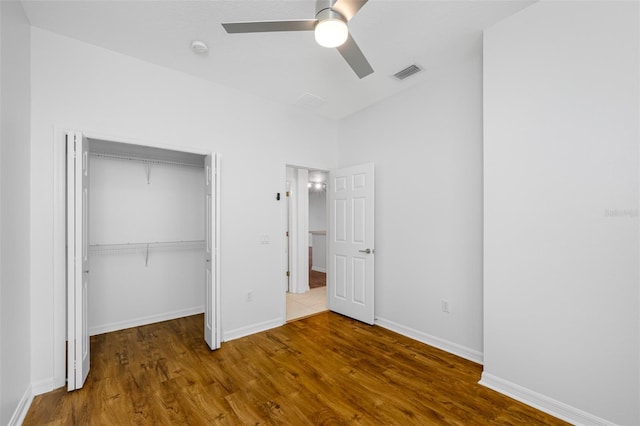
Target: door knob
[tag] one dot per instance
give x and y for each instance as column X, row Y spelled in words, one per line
column 368, row 251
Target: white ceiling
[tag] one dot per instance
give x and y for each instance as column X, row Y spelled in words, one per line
column 393, row 34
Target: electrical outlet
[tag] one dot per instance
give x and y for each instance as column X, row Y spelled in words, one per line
column 249, row 295
column 445, row 306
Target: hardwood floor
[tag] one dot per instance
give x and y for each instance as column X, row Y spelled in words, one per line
column 322, row 370
column 317, row 279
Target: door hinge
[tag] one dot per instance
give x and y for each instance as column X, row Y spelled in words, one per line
column 287, row 273
column 287, row 193
column 286, row 233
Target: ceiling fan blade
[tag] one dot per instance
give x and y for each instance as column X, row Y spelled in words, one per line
column 348, row 8
column 270, row 26
column 355, row 58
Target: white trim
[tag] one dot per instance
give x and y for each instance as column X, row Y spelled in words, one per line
column 293, row 234
column 319, row 269
column 541, row 402
column 218, row 241
column 22, row 409
column 44, row 386
column 141, row 142
column 284, row 253
column 251, row 329
column 445, row 345
column 136, row 322
column 301, row 232
column 59, row 260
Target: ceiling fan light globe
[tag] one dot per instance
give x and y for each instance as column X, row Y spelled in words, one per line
column 331, row 32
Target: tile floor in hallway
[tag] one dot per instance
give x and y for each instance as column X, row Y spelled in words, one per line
column 304, row 304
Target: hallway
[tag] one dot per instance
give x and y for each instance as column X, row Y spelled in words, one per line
column 300, row 305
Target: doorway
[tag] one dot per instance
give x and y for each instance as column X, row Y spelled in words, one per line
column 306, row 242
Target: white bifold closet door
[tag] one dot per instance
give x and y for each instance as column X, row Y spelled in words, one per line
column 78, row 355
column 211, row 313
column 78, row 271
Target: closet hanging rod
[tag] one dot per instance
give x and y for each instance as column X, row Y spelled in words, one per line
column 144, row 246
column 144, row 160
column 152, row 243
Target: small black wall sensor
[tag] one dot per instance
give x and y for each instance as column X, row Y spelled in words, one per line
column 278, row 196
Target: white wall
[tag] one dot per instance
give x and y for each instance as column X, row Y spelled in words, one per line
column 319, row 254
column 426, row 144
column 317, row 210
column 15, row 369
column 318, row 222
column 561, row 86
column 127, row 288
column 87, row 88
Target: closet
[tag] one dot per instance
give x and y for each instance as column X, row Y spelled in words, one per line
column 141, row 240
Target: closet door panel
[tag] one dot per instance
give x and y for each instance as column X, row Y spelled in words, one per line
column 210, row 319
column 77, row 260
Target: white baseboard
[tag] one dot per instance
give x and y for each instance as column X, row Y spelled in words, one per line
column 542, row 402
column 42, row 386
column 136, row 322
column 319, row 269
column 251, row 329
column 22, row 409
column 445, row 345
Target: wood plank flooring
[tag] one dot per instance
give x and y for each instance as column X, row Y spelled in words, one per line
column 317, row 279
column 322, row 370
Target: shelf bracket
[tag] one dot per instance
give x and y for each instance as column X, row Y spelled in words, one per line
column 148, row 170
column 146, row 260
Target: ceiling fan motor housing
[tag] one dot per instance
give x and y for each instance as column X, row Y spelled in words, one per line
column 325, row 14
column 324, row 10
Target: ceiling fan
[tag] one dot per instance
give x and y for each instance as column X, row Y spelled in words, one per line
column 329, row 25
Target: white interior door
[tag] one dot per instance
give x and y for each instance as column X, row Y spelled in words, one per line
column 350, row 281
column 78, row 355
column 211, row 310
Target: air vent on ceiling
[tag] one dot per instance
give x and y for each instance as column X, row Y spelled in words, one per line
column 310, row 101
column 407, row 72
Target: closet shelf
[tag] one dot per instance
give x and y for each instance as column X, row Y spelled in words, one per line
column 145, row 247
column 146, row 161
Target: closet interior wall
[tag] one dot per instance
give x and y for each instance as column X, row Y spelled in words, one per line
column 146, row 235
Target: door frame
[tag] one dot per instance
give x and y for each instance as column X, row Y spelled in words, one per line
column 285, row 227
column 298, row 242
column 59, row 238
